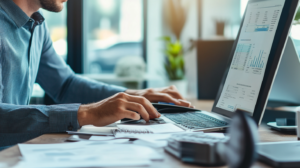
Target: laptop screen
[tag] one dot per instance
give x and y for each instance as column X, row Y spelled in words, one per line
column 246, row 72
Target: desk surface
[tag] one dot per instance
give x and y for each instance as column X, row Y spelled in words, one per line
column 11, row 156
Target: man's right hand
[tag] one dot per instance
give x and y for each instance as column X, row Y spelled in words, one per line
column 115, row 108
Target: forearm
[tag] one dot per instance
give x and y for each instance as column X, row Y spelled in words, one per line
column 20, row 123
column 38, row 118
column 81, row 90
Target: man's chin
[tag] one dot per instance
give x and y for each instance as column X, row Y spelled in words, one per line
column 52, row 5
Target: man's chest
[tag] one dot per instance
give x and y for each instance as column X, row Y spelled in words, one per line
column 21, row 50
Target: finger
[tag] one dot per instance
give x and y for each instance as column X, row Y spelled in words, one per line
column 173, row 87
column 179, row 102
column 146, row 104
column 175, row 94
column 130, row 114
column 138, row 108
column 164, row 97
column 185, row 103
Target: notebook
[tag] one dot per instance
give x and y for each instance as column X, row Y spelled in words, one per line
column 131, row 130
column 93, row 130
column 121, row 129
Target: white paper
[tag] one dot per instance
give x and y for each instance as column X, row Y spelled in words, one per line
column 87, row 163
column 217, row 135
column 2, row 165
column 160, row 140
column 93, row 130
column 157, row 128
column 101, row 138
column 86, row 154
column 152, row 137
column 152, row 144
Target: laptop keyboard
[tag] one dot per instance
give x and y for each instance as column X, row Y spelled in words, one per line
column 193, row 120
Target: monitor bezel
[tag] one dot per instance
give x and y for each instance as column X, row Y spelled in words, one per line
column 280, row 39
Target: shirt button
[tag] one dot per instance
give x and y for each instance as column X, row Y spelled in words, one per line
column 70, row 127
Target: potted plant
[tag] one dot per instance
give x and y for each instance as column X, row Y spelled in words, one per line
column 297, row 18
column 295, row 30
column 175, row 18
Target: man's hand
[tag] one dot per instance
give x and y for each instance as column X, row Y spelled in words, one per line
column 117, row 107
column 168, row 94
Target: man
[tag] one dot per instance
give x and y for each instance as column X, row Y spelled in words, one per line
column 27, row 56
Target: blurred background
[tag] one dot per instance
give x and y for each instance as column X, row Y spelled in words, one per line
column 142, row 43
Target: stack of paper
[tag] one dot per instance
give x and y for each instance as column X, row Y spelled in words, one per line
column 86, row 154
column 105, row 139
column 92, row 130
column 132, row 130
column 152, row 135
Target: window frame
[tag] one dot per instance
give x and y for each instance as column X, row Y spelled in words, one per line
column 75, row 35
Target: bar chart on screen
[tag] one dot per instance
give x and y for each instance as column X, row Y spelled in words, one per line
column 257, row 62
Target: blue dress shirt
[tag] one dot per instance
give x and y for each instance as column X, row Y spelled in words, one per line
column 27, row 56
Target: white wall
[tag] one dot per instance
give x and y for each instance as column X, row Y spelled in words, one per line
column 228, row 10
column 211, row 9
column 157, row 28
column 191, row 31
column 155, row 57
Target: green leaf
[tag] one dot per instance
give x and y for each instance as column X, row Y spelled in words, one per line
column 174, row 64
column 174, row 48
column 167, row 39
column 297, row 17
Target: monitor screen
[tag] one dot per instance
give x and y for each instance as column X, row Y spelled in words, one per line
column 248, row 65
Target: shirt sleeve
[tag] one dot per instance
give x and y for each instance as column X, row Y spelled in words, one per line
column 19, row 123
column 61, row 84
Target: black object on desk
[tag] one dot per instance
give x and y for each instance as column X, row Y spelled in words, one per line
column 168, row 108
column 280, row 154
column 212, row 58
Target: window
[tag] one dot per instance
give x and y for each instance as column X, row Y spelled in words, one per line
column 295, row 34
column 243, row 6
column 57, row 24
column 113, row 30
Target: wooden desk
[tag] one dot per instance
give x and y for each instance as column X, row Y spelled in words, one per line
column 11, row 156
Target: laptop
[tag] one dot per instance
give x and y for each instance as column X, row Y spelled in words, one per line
column 251, row 70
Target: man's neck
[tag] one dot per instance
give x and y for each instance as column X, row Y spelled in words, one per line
column 28, row 6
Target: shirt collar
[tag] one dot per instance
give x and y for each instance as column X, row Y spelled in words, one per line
column 17, row 14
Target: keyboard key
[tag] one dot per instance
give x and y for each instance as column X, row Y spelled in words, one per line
column 195, row 120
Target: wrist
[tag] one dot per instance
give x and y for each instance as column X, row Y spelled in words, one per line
column 82, row 115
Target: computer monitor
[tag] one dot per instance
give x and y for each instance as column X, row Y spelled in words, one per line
column 286, row 87
column 255, row 57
